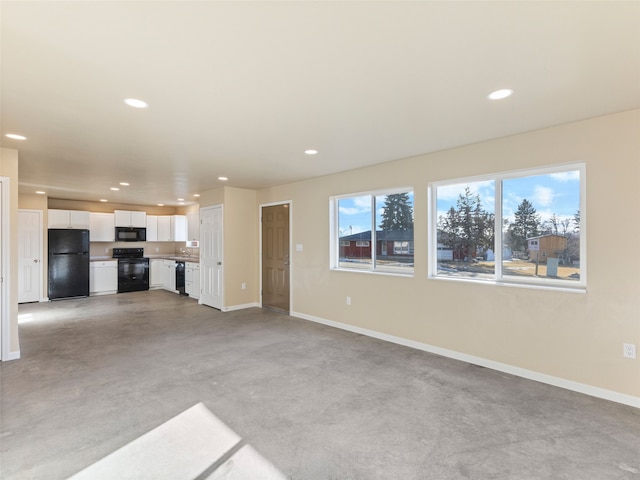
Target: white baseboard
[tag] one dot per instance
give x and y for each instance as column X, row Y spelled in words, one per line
column 483, row 362
column 11, row 356
column 240, row 307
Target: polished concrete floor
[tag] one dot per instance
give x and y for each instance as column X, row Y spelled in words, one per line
column 317, row 402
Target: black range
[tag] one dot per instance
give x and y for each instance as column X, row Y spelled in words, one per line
column 133, row 269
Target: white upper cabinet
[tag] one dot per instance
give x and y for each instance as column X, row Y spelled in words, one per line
column 152, row 228
column 102, row 227
column 171, row 228
column 68, row 219
column 193, row 226
column 126, row 218
column 164, row 228
column 179, row 224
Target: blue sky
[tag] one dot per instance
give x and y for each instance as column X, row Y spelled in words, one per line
column 557, row 193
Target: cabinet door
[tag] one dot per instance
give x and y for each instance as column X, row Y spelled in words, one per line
column 101, row 227
column 157, row 268
column 164, row 228
column 152, row 228
column 193, row 226
column 123, row 218
column 103, row 277
column 195, row 286
column 79, row 219
column 179, row 223
column 138, row 219
column 171, row 283
column 58, row 218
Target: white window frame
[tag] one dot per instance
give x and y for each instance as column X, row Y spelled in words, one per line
column 499, row 278
column 334, row 242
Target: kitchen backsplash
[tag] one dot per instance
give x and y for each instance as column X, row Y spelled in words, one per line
column 105, row 249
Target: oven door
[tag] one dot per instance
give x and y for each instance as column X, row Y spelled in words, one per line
column 133, row 274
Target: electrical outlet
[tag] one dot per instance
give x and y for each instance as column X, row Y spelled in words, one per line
column 629, row 350
column 348, row 300
column 106, row 250
column 243, row 286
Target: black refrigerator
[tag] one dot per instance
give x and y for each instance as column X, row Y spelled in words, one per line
column 68, row 263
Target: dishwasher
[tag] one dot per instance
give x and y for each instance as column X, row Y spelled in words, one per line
column 180, row 277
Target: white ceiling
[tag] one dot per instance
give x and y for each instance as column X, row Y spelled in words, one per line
column 241, row 89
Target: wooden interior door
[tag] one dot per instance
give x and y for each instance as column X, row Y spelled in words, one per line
column 275, row 257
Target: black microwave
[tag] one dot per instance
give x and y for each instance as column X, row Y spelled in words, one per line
column 131, row 234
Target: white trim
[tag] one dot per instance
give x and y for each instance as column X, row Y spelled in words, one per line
column 583, row 388
column 5, row 272
column 260, row 207
column 241, row 307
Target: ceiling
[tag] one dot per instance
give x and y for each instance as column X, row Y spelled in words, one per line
column 242, row 89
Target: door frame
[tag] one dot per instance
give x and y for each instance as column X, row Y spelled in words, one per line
column 5, row 272
column 41, row 266
column 274, row 204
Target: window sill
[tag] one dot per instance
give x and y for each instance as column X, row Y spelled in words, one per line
column 374, row 272
column 506, row 283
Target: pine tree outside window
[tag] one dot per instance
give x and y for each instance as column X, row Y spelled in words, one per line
column 373, row 232
column 516, row 227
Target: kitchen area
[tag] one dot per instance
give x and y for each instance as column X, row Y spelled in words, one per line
column 122, row 251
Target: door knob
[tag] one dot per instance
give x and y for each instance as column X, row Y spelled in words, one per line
column 35, row 260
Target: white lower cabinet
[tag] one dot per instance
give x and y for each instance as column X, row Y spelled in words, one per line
column 103, row 277
column 163, row 274
column 156, row 271
column 170, row 275
column 192, row 279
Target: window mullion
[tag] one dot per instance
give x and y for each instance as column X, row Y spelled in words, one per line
column 497, row 242
column 374, row 257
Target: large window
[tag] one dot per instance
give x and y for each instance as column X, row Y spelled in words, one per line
column 373, row 232
column 520, row 227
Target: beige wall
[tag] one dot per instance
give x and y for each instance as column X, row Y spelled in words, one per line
column 240, row 237
column 9, row 168
column 572, row 336
column 108, row 207
column 240, row 246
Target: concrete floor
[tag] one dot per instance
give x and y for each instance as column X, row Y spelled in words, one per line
column 317, row 402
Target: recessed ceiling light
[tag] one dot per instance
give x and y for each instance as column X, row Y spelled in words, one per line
column 311, row 151
column 180, row 203
column 500, row 94
column 115, row 189
column 124, row 184
column 223, row 179
column 135, row 103
column 104, row 200
column 15, row 136
column 181, row 199
column 196, row 194
column 161, row 204
column 40, row 192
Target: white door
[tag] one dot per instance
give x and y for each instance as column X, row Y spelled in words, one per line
column 29, row 255
column 211, row 267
